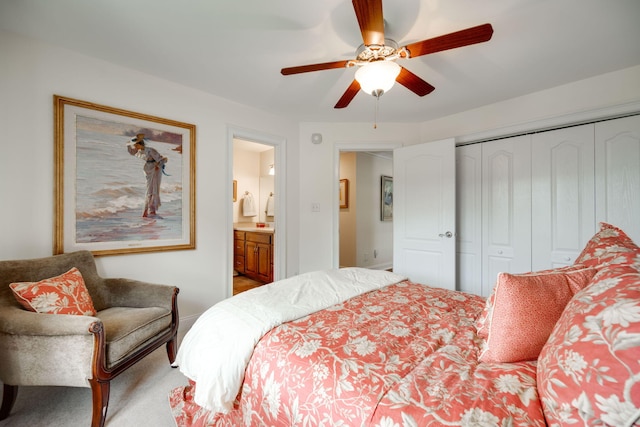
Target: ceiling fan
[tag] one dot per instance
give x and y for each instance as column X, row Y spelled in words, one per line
column 376, row 57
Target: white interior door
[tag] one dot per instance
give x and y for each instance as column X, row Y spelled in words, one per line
column 506, row 208
column 424, row 194
column 618, row 174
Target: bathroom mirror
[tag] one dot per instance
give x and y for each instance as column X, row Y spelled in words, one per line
column 267, row 198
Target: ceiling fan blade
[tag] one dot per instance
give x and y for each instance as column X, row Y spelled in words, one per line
column 314, row 67
column 371, row 21
column 348, row 95
column 414, row 83
column 473, row 35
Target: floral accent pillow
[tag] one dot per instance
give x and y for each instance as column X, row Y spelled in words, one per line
column 64, row 294
column 525, row 310
column 610, row 245
column 589, row 370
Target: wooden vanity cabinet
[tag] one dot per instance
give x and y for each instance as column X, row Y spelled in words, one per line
column 238, row 251
column 253, row 255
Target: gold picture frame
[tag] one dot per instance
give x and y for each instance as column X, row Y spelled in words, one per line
column 344, row 193
column 235, row 190
column 106, row 199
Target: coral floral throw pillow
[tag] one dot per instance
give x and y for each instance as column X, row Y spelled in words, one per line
column 64, row 294
column 589, row 370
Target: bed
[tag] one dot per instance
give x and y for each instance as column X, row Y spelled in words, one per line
column 358, row 347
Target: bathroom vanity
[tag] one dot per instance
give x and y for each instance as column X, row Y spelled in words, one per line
column 253, row 253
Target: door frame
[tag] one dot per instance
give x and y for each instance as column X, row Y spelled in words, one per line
column 280, row 146
column 348, row 147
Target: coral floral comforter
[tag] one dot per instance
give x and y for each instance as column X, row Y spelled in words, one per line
column 404, row 355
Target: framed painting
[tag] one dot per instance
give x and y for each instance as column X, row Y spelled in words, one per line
column 235, row 190
column 386, row 198
column 124, row 181
column 344, row 193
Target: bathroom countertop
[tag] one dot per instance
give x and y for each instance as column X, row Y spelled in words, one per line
column 256, row 229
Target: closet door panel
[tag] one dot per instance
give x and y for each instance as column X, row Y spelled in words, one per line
column 562, row 195
column 618, row 174
column 469, row 218
column 506, row 208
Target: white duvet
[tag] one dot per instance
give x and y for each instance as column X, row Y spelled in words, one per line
column 216, row 350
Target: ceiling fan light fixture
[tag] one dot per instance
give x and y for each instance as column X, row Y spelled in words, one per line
column 377, row 77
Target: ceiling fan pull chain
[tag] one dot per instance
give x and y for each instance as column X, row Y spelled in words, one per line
column 375, row 117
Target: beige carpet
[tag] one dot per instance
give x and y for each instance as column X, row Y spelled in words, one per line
column 139, row 398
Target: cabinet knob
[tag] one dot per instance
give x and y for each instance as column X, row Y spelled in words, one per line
column 500, row 252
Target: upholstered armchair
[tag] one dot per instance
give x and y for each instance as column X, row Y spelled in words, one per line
column 132, row 320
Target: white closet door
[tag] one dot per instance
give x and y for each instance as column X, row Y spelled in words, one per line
column 618, row 174
column 469, row 218
column 506, row 207
column 562, row 195
column 424, row 213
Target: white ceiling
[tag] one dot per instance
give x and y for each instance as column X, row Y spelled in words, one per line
column 235, row 49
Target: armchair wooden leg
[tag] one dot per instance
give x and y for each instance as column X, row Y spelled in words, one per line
column 100, row 394
column 172, row 348
column 9, row 394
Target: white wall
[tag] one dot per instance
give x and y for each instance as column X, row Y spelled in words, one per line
column 32, row 72
column 246, row 171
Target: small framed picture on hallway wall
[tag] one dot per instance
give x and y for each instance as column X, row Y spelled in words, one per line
column 124, row 181
column 344, row 193
column 386, row 198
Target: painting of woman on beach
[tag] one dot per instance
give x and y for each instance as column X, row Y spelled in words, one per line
column 153, row 169
column 124, row 170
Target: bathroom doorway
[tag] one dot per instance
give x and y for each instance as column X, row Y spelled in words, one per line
column 253, row 213
column 256, row 175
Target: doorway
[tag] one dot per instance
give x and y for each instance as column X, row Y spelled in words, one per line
column 256, row 170
column 423, row 209
column 364, row 238
column 253, row 178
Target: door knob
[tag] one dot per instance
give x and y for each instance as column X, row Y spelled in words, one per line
column 448, row 234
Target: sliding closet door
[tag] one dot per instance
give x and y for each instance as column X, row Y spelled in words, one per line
column 506, row 208
column 469, row 218
column 618, row 174
column 562, row 195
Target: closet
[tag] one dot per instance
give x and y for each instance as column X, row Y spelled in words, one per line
column 531, row 202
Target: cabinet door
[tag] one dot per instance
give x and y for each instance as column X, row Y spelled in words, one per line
column 469, row 218
column 562, row 195
column 251, row 258
column 506, row 207
column 258, row 261
column 263, row 266
column 618, row 174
